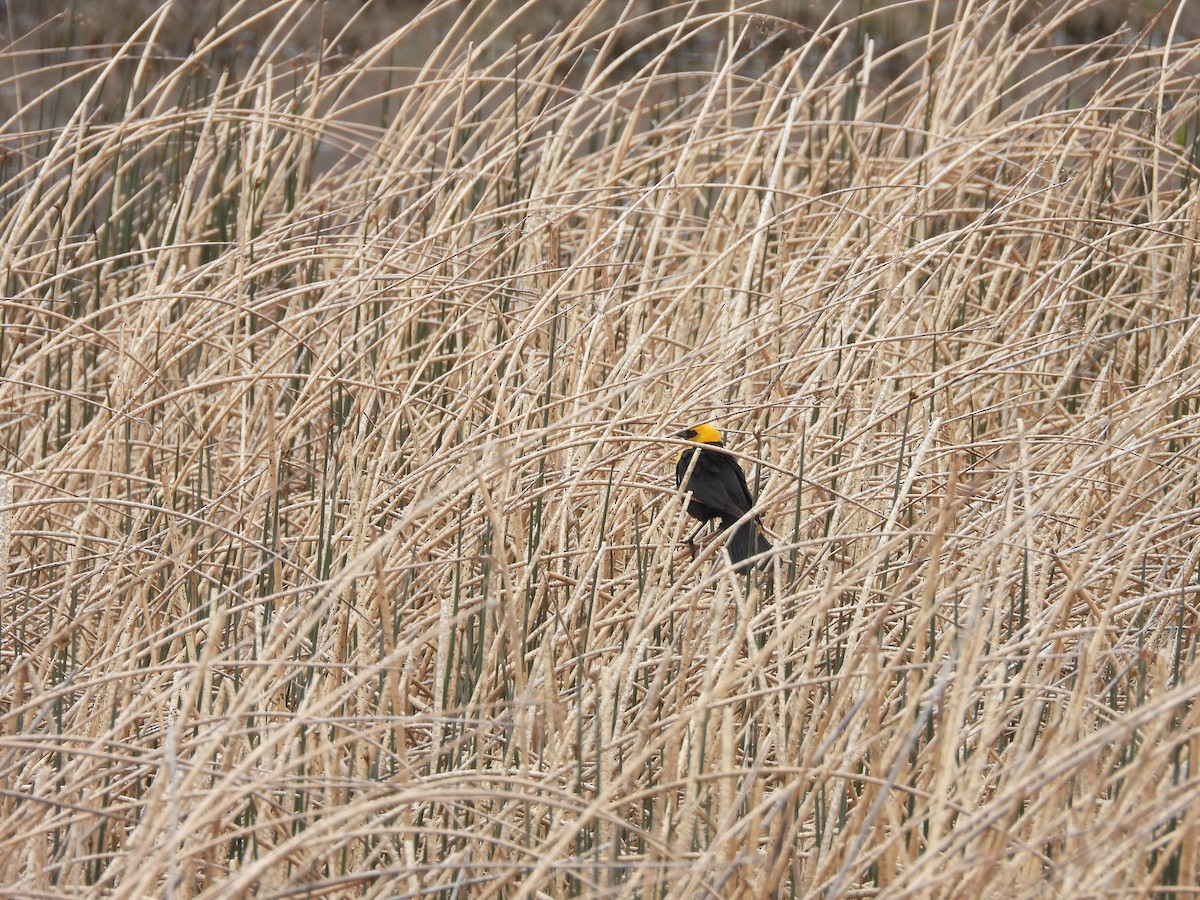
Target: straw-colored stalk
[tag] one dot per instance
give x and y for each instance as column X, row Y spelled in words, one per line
column 346, row 555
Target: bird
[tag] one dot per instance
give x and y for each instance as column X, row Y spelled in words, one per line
column 719, row 491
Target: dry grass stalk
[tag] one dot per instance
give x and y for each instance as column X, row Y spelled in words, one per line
column 345, row 551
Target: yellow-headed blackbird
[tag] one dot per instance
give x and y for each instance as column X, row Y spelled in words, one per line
column 719, row 491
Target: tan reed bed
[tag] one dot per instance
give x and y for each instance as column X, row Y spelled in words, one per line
column 344, row 553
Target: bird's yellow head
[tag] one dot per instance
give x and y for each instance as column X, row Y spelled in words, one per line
column 701, row 434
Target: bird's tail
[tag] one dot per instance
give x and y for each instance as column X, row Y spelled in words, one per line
column 745, row 541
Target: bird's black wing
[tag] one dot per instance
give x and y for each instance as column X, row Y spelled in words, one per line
column 747, row 497
column 718, row 482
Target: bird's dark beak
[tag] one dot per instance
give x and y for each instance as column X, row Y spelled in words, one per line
column 687, row 434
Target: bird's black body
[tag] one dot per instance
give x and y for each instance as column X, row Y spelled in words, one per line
column 719, row 491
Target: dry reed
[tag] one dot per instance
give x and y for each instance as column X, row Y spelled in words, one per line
column 344, row 553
